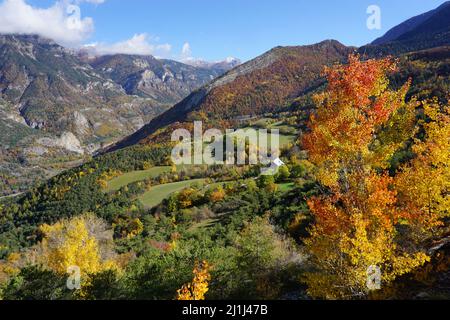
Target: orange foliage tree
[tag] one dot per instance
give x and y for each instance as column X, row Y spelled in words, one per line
column 359, row 125
column 217, row 195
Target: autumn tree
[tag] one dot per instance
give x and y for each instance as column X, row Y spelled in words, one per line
column 267, row 182
column 187, row 197
column 196, row 289
column 424, row 183
column 217, row 194
column 83, row 241
column 360, row 123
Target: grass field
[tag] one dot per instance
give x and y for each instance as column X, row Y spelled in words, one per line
column 133, row 176
column 287, row 133
column 286, row 187
column 158, row 193
column 203, row 224
column 285, row 139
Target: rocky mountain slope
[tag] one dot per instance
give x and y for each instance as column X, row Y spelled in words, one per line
column 49, row 89
column 165, row 81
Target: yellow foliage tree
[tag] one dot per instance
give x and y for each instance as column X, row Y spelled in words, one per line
column 424, row 183
column 196, row 289
column 74, row 243
column 186, row 197
column 136, row 228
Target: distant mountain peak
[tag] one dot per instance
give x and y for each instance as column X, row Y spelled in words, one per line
column 27, row 37
column 231, row 60
column 164, row 80
column 223, row 65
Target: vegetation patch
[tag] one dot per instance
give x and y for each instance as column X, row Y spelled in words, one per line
column 158, row 193
column 134, row 176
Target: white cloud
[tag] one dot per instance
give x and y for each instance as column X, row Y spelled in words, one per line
column 61, row 22
column 186, row 51
column 92, row 1
column 139, row 44
column 186, row 55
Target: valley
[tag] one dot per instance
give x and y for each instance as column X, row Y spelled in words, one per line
column 360, row 185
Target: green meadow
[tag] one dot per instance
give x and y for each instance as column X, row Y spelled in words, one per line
column 158, row 193
column 133, row 176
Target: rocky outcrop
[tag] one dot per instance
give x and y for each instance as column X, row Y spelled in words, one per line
column 67, row 141
column 81, row 124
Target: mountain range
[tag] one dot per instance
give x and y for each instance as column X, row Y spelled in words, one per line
column 164, row 81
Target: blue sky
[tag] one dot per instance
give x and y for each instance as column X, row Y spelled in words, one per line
column 216, row 29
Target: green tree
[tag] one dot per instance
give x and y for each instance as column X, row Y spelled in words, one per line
column 283, row 174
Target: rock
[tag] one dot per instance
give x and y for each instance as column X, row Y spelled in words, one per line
column 67, row 141
column 92, row 148
column 35, row 124
column 138, row 123
column 140, row 63
column 16, row 117
column 36, row 151
column 81, row 123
